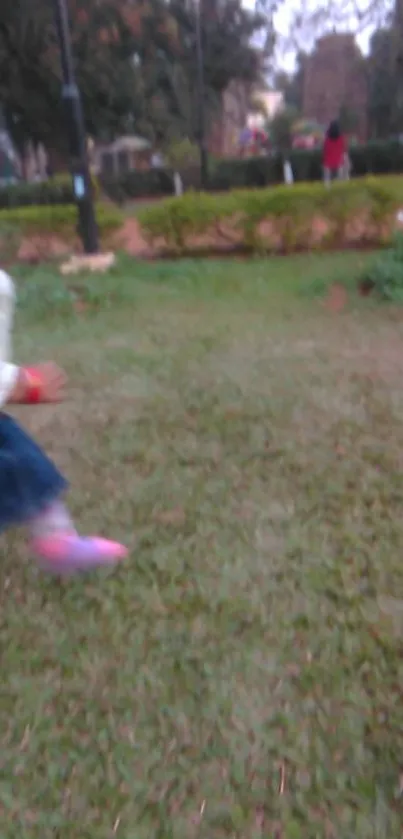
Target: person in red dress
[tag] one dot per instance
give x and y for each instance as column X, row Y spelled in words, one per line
column 334, row 153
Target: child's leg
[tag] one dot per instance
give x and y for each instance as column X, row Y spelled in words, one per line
column 30, row 491
column 54, row 518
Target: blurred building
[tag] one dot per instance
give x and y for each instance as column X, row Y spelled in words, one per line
column 270, row 103
column 223, row 138
column 335, row 82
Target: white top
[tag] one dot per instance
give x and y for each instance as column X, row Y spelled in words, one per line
column 8, row 371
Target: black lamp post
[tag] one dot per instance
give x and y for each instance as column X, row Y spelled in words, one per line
column 200, row 98
column 76, row 134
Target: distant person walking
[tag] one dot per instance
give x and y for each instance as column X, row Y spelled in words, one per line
column 334, row 153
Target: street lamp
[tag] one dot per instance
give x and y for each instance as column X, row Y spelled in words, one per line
column 200, row 98
column 76, row 134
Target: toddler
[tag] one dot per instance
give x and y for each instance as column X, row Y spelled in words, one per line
column 31, row 488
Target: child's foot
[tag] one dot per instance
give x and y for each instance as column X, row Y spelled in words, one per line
column 66, row 553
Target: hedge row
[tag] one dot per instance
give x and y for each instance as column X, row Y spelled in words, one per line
column 373, row 158
column 146, row 183
column 56, row 219
column 55, row 191
column 280, row 219
column 59, row 190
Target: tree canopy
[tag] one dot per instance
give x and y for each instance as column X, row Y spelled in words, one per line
column 135, row 63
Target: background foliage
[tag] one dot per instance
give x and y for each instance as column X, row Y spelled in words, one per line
column 135, row 64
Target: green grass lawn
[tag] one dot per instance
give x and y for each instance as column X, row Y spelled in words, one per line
column 241, row 675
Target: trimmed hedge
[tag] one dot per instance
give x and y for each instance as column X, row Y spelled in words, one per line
column 57, row 190
column 26, row 194
column 377, row 158
column 280, row 219
column 134, row 184
column 57, row 219
column 373, row 158
column 235, row 173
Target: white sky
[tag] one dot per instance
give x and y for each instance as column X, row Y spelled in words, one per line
column 286, row 54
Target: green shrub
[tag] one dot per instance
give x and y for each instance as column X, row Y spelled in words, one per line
column 182, row 153
column 178, row 218
column 283, row 218
column 263, row 171
column 237, row 173
column 56, row 219
column 377, row 158
column 57, row 190
column 306, row 164
column 134, row 184
column 384, row 276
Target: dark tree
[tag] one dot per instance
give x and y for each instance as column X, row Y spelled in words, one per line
column 381, row 84
column 30, row 77
column 135, row 64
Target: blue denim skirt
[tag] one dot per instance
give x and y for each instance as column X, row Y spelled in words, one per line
column 28, row 479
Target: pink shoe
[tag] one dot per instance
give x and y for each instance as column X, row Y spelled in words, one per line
column 65, row 554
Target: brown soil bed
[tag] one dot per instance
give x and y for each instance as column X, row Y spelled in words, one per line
column 42, row 247
column 222, row 241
